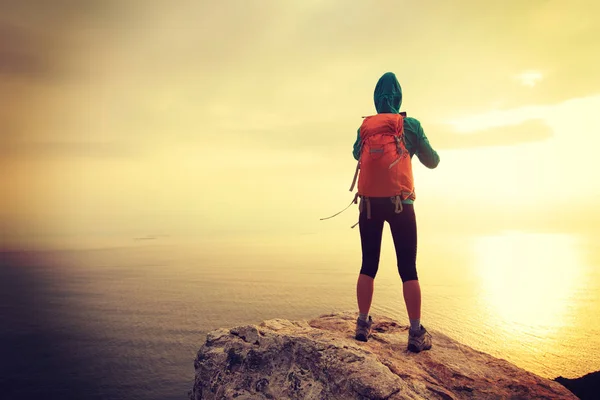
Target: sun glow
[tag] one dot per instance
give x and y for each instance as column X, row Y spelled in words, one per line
column 528, row 278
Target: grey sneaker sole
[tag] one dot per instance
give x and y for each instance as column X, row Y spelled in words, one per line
column 361, row 338
column 415, row 349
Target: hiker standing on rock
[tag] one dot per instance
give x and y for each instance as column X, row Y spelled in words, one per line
column 384, row 148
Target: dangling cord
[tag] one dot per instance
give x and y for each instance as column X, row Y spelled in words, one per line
column 361, row 207
column 338, row 213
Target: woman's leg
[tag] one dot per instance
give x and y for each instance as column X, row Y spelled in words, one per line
column 404, row 233
column 371, row 231
column 412, row 299
column 364, row 293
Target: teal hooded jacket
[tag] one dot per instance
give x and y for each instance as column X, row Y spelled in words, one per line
column 388, row 98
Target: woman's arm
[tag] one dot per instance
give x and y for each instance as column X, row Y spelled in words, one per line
column 426, row 154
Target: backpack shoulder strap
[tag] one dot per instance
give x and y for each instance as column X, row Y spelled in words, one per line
column 399, row 125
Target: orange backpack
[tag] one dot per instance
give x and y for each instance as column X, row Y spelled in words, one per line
column 384, row 168
column 384, row 164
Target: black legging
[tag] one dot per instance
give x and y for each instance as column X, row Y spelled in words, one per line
column 404, row 232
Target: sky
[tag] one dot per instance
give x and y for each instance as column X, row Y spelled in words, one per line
column 233, row 119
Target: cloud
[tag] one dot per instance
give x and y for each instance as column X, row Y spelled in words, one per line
column 508, row 135
column 37, row 38
column 18, row 56
column 56, row 149
column 570, row 215
column 529, row 78
column 157, row 61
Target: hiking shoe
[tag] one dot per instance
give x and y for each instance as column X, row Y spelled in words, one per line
column 363, row 329
column 419, row 340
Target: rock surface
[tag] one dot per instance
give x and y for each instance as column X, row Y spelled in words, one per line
column 319, row 359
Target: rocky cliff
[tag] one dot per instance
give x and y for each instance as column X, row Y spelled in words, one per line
column 320, row 359
column 585, row 387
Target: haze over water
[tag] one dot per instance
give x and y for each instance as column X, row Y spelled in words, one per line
column 198, row 145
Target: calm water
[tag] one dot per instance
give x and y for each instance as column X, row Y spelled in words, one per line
column 127, row 322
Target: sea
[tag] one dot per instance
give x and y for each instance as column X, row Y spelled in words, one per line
column 126, row 321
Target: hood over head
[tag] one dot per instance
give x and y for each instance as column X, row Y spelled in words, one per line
column 388, row 94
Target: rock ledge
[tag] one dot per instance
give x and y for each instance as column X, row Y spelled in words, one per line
column 319, row 359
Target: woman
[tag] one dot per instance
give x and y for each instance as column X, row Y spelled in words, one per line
column 397, row 210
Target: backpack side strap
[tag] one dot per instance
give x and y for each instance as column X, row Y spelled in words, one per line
column 355, row 176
